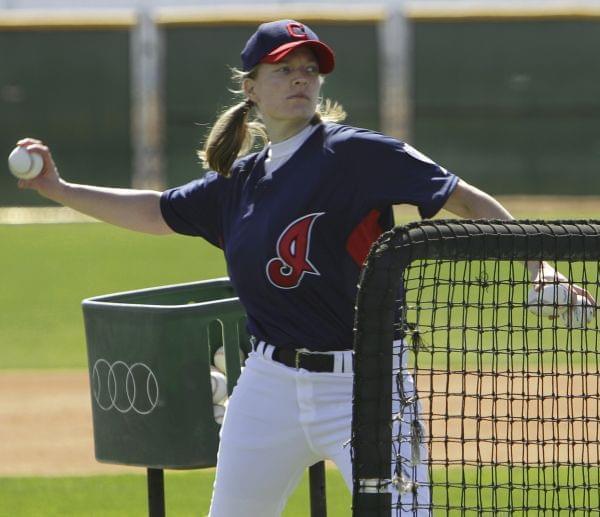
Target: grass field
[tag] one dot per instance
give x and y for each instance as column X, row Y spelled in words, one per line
column 517, row 488
column 49, row 269
column 186, row 494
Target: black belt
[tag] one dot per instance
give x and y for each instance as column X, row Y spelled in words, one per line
column 313, row 362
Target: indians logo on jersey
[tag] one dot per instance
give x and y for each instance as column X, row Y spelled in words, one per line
column 286, row 271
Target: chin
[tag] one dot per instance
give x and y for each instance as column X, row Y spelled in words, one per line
column 294, row 115
column 301, row 114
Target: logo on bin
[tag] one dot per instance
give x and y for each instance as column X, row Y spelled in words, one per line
column 124, row 388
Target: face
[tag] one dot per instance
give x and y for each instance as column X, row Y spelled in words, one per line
column 287, row 91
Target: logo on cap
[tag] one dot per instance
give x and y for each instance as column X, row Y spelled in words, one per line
column 296, row 30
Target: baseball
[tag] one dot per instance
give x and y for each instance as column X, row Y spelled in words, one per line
column 550, row 300
column 23, row 164
column 219, row 413
column 219, row 386
column 219, row 359
column 580, row 314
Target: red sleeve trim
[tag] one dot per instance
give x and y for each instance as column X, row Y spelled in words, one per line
column 363, row 236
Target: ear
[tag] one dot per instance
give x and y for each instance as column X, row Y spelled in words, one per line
column 248, row 86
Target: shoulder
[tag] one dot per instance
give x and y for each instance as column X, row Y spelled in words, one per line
column 359, row 148
column 240, row 166
column 244, row 164
column 343, row 137
column 213, row 180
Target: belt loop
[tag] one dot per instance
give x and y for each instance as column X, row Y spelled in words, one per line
column 348, row 359
column 260, row 347
column 338, row 362
column 268, row 350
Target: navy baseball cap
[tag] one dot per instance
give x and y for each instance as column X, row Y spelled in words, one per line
column 274, row 40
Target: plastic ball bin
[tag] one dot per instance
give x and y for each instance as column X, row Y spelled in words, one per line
column 149, row 357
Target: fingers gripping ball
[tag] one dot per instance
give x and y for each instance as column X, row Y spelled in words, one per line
column 549, row 300
column 219, row 386
column 580, row 314
column 24, row 164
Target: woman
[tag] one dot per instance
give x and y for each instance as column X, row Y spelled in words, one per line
column 295, row 221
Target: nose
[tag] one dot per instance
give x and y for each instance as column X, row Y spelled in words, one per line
column 300, row 80
column 300, row 76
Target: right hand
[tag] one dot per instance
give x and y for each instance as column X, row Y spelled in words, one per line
column 543, row 273
column 48, row 180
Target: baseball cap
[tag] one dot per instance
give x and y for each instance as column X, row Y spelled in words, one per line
column 273, row 41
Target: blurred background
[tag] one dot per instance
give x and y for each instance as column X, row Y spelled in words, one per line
column 503, row 94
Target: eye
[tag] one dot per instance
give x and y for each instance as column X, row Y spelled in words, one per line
column 312, row 69
column 284, row 69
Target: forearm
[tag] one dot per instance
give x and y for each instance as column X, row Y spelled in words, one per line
column 486, row 207
column 137, row 210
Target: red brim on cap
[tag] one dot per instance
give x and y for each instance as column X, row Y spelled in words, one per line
column 324, row 54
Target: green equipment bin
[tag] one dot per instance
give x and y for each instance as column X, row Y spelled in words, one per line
column 149, row 359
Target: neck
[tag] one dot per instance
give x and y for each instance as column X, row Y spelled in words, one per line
column 279, row 131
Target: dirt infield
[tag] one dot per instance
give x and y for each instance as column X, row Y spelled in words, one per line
column 520, row 417
column 46, row 425
column 46, row 421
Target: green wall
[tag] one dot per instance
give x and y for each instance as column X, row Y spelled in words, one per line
column 70, row 88
column 511, row 106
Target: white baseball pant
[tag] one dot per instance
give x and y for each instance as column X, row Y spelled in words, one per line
column 280, row 421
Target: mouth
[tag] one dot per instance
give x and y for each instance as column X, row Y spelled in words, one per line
column 299, row 96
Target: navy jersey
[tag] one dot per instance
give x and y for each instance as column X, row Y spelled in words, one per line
column 295, row 240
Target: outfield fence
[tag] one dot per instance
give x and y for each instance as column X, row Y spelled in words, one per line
column 503, row 95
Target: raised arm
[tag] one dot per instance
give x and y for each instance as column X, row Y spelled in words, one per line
column 137, row 210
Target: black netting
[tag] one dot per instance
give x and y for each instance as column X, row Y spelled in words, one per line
column 467, row 399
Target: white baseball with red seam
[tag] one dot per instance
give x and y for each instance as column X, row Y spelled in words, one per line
column 219, row 359
column 219, row 386
column 219, row 413
column 580, row 314
column 24, row 164
column 549, row 300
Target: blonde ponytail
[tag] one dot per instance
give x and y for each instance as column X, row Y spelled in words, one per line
column 228, row 138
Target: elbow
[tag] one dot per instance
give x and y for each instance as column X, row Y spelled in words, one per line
column 469, row 202
column 159, row 227
column 462, row 202
column 155, row 222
